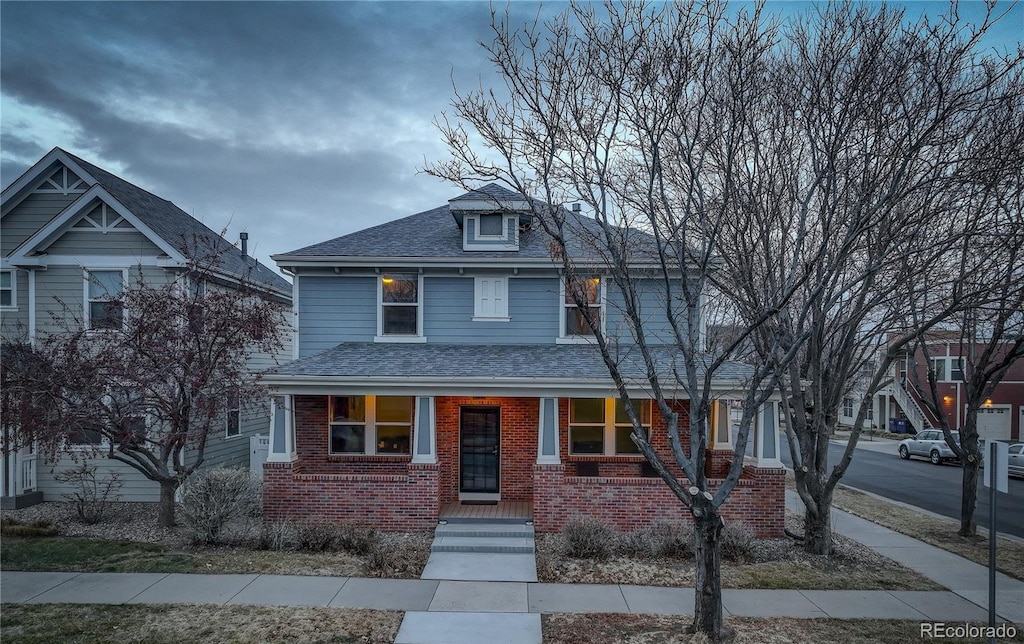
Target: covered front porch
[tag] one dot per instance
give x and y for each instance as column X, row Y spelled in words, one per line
column 531, row 457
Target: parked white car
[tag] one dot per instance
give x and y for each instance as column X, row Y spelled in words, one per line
column 1016, row 466
column 931, row 444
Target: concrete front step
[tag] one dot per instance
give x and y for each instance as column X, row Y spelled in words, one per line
column 486, row 520
column 483, row 544
column 484, row 530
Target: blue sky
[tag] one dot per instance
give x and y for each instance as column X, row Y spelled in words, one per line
column 297, row 122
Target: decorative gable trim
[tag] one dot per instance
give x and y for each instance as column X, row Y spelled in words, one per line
column 43, row 169
column 117, row 213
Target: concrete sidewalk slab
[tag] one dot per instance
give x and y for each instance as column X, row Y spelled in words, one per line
column 769, row 603
column 472, row 566
column 385, row 594
column 113, row 587
column 657, row 600
column 183, row 588
column 21, row 586
column 576, row 598
column 480, row 596
column 853, row 604
column 284, row 590
column 941, row 605
column 1009, row 603
column 469, row 628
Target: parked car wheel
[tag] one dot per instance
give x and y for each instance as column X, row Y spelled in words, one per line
column 904, row 452
column 936, row 458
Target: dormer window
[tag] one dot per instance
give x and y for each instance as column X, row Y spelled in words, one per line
column 491, row 226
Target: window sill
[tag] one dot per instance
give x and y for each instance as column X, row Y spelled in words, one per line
column 376, row 458
column 484, row 319
column 400, row 338
column 617, row 458
column 576, row 339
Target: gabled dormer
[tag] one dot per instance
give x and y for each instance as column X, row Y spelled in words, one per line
column 490, row 218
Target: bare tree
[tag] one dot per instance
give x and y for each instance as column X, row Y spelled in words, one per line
column 644, row 114
column 153, row 378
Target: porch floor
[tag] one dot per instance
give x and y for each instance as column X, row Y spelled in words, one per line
column 502, row 511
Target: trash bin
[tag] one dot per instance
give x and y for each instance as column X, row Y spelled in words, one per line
column 899, row 425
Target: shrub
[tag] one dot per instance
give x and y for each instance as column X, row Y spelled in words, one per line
column 737, row 542
column 317, row 536
column 587, row 538
column 671, row 539
column 384, row 558
column 357, row 539
column 275, row 535
column 635, row 543
column 212, row 498
column 91, row 496
column 11, row 527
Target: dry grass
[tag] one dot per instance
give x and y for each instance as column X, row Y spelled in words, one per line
column 774, row 563
column 650, row 629
column 931, row 530
column 69, row 623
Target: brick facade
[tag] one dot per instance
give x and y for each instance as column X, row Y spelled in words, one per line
column 395, row 494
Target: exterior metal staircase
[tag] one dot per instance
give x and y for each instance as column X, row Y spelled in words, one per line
column 910, row 407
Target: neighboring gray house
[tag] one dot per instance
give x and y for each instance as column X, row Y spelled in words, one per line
column 438, row 361
column 69, row 228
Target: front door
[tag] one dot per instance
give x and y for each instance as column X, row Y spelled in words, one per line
column 479, row 451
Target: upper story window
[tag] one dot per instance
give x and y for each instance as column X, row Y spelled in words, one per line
column 947, row 368
column 371, row 424
column 589, row 290
column 601, row 426
column 400, row 311
column 490, row 231
column 491, row 299
column 492, row 226
column 103, row 310
column 7, row 290
column 848, row 407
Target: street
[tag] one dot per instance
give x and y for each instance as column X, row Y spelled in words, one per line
column 877, row 468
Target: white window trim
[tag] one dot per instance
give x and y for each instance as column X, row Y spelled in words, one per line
column 237, row 411
column 478, row 313
column 85, row 294
column 486, row 242
column 502, row 236
column 381, row 337
column 370, row 427
column 609, row 426
column 14, row 289
column 562, row 305
column 948, row 364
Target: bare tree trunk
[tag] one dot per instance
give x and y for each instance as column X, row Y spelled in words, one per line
column 818, row 526
column 969, row 499
column 167, row 490
column 707, row 617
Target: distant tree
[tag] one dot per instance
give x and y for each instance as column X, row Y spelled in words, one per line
column 156, row 374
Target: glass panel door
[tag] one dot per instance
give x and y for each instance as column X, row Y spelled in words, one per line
column 479, row 448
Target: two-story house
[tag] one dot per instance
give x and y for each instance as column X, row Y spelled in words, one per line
column 73, row 235
column 439, row 362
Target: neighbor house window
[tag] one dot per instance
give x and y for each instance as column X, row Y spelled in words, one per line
column 947, row 368
column 602, row 426
column 848, row 407
column 233, row 415
column 588, row 289
column 85, row 435
column 103, row 309
column 492, row 226
column 7, row 284
column 399, row 304
column 132, row 430
column 491, row 299
column 371, row 424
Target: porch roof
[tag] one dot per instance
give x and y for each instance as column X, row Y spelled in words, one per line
column 445, row 363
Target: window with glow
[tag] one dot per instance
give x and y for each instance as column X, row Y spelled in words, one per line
column 399, row 304
column 588, row 290
column 394, row 424
column 104, row 310
column 624, row 426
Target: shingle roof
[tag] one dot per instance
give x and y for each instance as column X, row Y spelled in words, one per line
column 491, row 191
column 185, row 233
column 573, row 363
column 435, row 234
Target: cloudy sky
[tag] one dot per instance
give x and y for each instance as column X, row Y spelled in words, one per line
column 297, row 122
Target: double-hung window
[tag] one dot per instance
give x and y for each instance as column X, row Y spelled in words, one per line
column 7, row 286
column 371, row 424
column 602, row 426
column 848, row 407
column 233, row 414
column 103, row 309
column 400, row 314
column 585, row 290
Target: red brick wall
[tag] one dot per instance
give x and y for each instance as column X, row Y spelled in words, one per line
column 758, row 500
column 519, row 421
column 407, row 502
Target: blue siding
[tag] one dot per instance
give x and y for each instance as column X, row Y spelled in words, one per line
column 652, row 311
column 333, row 310
column 532, row 305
